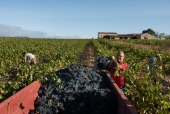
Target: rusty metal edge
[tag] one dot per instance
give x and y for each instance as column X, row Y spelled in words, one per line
column 4, row 105
column 124, row 106
column 123, row 101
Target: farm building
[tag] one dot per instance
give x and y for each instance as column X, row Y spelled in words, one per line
column 104, row 34
column 114, row 35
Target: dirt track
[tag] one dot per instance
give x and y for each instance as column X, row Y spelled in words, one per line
column 86, row 58
column 152, row 47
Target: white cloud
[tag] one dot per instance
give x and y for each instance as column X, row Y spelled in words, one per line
column 13, row 31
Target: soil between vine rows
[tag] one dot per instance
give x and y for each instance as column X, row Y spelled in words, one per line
column 86, row 58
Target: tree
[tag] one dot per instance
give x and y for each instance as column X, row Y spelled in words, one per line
column 162, row 35
column 156, row 34
column 167, row 36
column 149, row 31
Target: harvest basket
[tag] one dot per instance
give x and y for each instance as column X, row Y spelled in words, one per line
column 103, row 64
column 106, row 65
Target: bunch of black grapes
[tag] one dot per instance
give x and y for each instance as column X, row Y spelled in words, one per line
column 83, row 92
column 103, row 59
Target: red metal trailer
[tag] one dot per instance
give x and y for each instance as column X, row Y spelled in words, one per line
column 23, row 101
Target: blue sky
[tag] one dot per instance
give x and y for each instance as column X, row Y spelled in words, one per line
column 82, row 18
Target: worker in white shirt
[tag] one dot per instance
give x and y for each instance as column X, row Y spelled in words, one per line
column 29, row 57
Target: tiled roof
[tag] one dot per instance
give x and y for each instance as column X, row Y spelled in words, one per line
column 107, row 33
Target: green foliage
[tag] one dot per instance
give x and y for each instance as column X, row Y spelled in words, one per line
column 149, row 31
column 147, row 42
column 167, row 37
column 55, row 54
column 141, row 89
column 52, row 55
